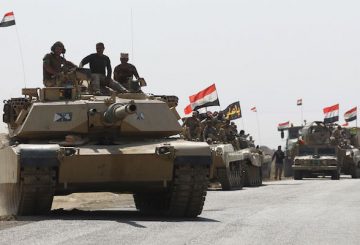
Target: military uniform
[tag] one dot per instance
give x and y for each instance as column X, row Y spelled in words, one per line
column 228, row 135
column 210, row 132
column 192, row 128
column 56, row 63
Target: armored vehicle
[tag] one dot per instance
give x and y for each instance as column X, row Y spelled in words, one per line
column 293, row 133
column 315, row 154
column 349, row 152
column 235, row 168
column 62, row 140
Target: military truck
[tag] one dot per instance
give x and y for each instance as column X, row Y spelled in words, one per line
column 63, row 140
column 292, row 135
column 235, row 168
column 349, row 152
column 315, row 154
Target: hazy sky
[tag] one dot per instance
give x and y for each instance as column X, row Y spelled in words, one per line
column 264, row 53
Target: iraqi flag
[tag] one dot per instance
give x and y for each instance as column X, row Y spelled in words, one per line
column 8, row 20
column 331, row 114
column 205, row 98
column 351, row 114
column 284, row 125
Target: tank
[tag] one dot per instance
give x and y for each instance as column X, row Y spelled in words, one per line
column 63, row 140
column 349, row 152
column 235, row 168
column 314, row 154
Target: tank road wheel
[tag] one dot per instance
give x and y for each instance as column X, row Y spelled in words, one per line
column 185, row 197
column 231, row 178
column 335, row 175
column 298, row 175
column 33, row 195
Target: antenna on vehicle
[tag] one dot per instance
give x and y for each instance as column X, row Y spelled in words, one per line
column 132, row 34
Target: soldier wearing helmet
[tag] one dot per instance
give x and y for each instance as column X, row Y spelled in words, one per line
column 53, row 64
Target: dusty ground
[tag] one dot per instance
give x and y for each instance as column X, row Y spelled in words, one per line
column 79, row 201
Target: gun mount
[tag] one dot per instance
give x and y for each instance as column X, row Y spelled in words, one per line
column 117, row 112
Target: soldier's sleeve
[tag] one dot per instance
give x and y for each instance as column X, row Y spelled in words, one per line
column 46, row 59
column 86, row 60
column 136, row 74
column 116, row 73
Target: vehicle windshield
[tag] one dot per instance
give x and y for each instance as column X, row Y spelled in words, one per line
column 327, row 151
column 304, row 150
column 294, row 133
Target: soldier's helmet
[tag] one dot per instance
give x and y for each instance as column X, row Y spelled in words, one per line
column 58, row 44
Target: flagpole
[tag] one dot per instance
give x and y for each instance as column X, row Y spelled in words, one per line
column 302, row 116
column 258, row 126
column 132, row 34
column 21, row 54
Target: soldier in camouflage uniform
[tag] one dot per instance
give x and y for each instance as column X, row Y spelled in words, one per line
column 192, row 128
column 210, row 133
column 228, row 135
column 54, row 65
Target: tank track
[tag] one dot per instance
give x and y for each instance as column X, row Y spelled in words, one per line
column 33, row 195
column 232, row 177
column 252, row 175
column 184, row 198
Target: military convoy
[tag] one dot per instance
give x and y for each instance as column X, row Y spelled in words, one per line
column 63, row 140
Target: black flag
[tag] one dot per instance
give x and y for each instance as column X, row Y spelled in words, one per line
column 233, row 111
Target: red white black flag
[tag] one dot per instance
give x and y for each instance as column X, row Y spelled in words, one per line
column 8, row 20
column 204, row 98
column 283, row 125
column 331, row 114
column 351, row 114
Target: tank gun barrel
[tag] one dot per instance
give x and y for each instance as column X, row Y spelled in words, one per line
column 117, row 112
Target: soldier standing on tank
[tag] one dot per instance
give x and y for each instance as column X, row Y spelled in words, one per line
column 54, row 64
column 124, row 72
column 192, row 127
column 98, row 63
column 210, row 133
column 279, row 157
column 227, row 134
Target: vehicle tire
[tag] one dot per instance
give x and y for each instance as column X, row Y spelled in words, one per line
column 298, row 175
column 355, row 172
column 335, row 175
